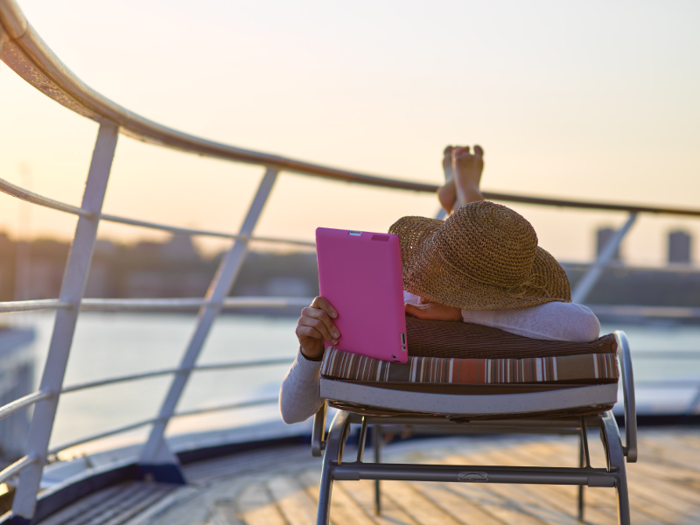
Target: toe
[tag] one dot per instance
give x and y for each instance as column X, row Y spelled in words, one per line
column 459, row 151
column 478, row 151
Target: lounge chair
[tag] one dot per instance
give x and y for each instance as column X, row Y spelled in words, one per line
column 500, row 383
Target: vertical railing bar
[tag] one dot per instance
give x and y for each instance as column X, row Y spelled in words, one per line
column 2, row 40
column 692, row 407
column 590, row 278
column 72, row 288
column 155, row 451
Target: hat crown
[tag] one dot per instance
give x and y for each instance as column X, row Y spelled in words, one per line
column 489, row 243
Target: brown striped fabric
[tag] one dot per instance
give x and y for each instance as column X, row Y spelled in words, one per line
column 590, row 368
column 466, row 340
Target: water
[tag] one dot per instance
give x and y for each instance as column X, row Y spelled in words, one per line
column 113, row 344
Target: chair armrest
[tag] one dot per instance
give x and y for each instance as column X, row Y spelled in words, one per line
column 625, row 359
column 318, row 433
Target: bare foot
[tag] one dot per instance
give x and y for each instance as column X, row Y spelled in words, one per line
column 467, row 174
column 447, row 193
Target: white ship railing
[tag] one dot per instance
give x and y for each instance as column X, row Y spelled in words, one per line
column 25, row 52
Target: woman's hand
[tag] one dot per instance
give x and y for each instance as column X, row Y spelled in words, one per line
column 314, row 326
column 434, row 311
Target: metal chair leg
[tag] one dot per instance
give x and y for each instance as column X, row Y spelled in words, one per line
column 332, row 455
column 616, row 462
column 584, row 461
column 377, row 445
column 581, row 503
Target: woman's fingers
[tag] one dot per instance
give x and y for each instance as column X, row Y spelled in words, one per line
column 435, row 311
column 310, row 341
column 320, row 321
column 308, row 332
column 323, row 304
column 323, row 311
column 415, row 311
column 315, row 326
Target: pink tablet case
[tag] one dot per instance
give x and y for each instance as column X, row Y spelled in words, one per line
column 360, row 275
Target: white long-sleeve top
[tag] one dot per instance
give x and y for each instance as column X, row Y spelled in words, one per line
column 300, row 397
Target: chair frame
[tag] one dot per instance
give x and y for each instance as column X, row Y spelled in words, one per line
column 332, row 445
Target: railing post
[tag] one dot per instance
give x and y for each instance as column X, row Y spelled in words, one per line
column 74, row 279
column 157, row 462
column 590, row 278
column 693, row 405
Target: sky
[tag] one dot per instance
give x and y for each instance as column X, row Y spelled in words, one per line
column 584, row 101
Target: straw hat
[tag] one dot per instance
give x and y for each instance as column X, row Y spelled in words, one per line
column 483, row 257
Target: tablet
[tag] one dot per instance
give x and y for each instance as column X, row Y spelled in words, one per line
column 360, row 275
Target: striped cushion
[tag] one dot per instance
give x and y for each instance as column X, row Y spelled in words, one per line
column 582, row 368
column 466, row 340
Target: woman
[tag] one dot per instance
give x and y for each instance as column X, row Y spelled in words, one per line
column 482, row 265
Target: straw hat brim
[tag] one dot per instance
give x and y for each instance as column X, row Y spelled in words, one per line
column 425, row 274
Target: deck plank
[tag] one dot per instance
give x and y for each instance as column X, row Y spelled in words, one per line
column 223, row 513
column 551, row 505
column 344, row 510
column 280, row 487
column 605, row 499
column 297, row 507
column 601, row 506
column 256, row 506
column 496, row 499
column 647, row 494
column 468, row 509
column 643, row 511
column 362, row 493
column 413, row 502
column 665, row 482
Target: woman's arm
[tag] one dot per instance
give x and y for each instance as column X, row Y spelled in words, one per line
column 299, row 395
column 554, row 321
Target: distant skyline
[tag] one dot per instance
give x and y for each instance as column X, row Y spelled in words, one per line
column 593, row 101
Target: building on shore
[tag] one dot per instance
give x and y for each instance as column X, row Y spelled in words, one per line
column 679, row 247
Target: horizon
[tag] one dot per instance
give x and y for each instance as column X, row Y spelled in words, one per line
column 209, row 255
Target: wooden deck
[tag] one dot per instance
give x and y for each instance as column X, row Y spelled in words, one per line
column 280, row 487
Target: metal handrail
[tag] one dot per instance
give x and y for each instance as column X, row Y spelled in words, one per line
column 35, row 198
column 252, row 302
column 190, row 302
column 206, row 233
column 245, row 404
column 666, row 354
column 17, row 467
column 668, row 383
column 119, row 430
column 136, row 305
column 167, row 371
column 29, row 306
column 23, row 402
column 29, row 196
column 231, row 406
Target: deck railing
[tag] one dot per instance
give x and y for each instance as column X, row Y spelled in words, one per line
column 25, row 52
